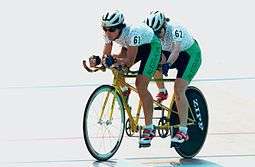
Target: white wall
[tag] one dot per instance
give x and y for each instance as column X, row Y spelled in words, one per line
column 43, row 42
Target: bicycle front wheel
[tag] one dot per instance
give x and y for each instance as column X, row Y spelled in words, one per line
column 103, row 122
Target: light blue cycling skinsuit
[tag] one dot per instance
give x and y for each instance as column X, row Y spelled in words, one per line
column 149, row 46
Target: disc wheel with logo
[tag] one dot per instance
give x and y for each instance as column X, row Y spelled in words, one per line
column 198, row 131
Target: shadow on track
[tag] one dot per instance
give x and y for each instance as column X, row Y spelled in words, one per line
column 174, row 163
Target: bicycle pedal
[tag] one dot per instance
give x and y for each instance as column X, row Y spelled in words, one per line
column 144, row 145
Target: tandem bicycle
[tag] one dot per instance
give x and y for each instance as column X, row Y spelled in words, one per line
column 104, row 121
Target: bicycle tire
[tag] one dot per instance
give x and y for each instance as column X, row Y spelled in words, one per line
column 103, row 147
column 198, row 132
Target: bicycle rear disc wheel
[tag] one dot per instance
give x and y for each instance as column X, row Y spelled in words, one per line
column 198, row 131
column 103, row 122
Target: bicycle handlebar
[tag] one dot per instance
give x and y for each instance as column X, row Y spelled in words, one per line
column 101, row 68
column 127, row 72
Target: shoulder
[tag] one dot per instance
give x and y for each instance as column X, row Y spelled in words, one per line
column 178, row 26
column 140, row 34
column 140, row 29
column 177, row 30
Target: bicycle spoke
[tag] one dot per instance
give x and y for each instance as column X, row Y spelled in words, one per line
column 104, row 123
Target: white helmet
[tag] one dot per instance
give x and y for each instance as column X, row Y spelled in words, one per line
column 111, row 19
column 155, row 20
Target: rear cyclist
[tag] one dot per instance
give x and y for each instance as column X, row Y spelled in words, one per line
column 180, row 51
column 139, row 43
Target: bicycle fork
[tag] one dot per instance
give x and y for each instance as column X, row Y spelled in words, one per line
column 101, row 113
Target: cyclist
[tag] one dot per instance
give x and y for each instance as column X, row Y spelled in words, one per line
column 139, row 43
column 180, row 51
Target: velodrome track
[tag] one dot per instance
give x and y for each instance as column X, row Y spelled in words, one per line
column 44, row 89
column 48, row 132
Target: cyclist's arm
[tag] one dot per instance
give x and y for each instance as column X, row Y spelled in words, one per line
column 122, row 54
column 130, row 58
column 176, row 48
column 107, row 49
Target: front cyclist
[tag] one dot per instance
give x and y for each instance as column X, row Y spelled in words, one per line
column 139, row 43
column 182, row 52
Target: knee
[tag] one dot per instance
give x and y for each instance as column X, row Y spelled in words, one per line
column 179, row 92
column 141, row 87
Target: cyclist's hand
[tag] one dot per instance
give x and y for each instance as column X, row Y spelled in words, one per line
column 94, row 61
column 109, row 61
column 165, row 69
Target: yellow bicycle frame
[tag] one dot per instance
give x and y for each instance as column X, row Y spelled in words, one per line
column 118, row 81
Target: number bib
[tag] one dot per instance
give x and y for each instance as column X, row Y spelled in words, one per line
column 176, row 33
column 134, row 36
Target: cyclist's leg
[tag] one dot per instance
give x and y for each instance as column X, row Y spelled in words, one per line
column 145, row 97
column 189, row 64
column 194, row 62
column 182, row 105
column 149, row 54
column 162, row 94
column 150, row 57
column 158, row 75
column 180, row 87
column 125, row 90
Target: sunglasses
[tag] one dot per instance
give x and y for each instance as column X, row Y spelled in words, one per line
column 111, row 29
